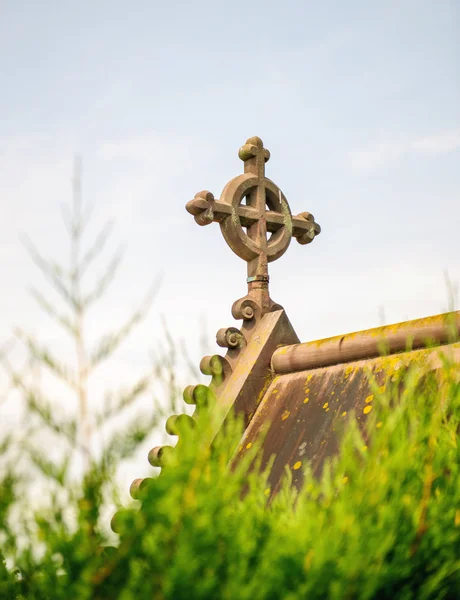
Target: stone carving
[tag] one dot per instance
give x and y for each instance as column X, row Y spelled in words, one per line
column 253, row 202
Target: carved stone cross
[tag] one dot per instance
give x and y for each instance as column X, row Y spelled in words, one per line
column 243, row 205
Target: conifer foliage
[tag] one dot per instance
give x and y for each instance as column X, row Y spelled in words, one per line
column 383, row 521
column 75, row 294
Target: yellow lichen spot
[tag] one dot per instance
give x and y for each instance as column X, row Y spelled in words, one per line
column 285, row 415
column 326, row 404
column 344, row 480
column 367, row 409
column 369, row 399
column 307, row 391
column 267, row 492
column 344, row 414
column 306, row 400
column 275, row 392
column 248, row 445
column 382, row 389
column 297, row 465
column 327, row 409
column 457, row 518
column 332, row 393
column 379, row 424
column 348, row 370
column 309, row 377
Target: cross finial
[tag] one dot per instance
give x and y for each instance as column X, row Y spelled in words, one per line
column 254, row 156
column 253, row 202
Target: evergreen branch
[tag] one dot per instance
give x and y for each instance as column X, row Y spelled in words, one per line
column 38, row 406
column 104, row 281
column 63, row 320
column 50, row 468
column 123, row 445
column 66, row 217
column 4, row 350
column 44, row 356
column 5, row 443
column 166, row 368
column 111, row 341
column 44, row 410
column 7, row 346
column 85, row 217
column 97, row 247
column 53, row 272
column 41, row 408
column 125, row 399
column 76, row 218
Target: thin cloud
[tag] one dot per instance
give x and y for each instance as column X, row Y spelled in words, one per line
column 152, row 148
column 389, row 151
column 448, row 141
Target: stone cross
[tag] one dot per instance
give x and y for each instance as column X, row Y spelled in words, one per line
column 253, row 202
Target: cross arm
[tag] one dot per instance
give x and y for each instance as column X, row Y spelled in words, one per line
column 304, row 227
column 206, row 210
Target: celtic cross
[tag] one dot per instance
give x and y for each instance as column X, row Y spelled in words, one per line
column 243, row 205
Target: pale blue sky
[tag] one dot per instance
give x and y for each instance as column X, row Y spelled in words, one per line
column 358, row 102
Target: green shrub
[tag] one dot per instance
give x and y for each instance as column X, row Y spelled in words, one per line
column 382, row 522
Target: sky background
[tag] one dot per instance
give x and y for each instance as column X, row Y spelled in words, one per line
column 358, row 103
